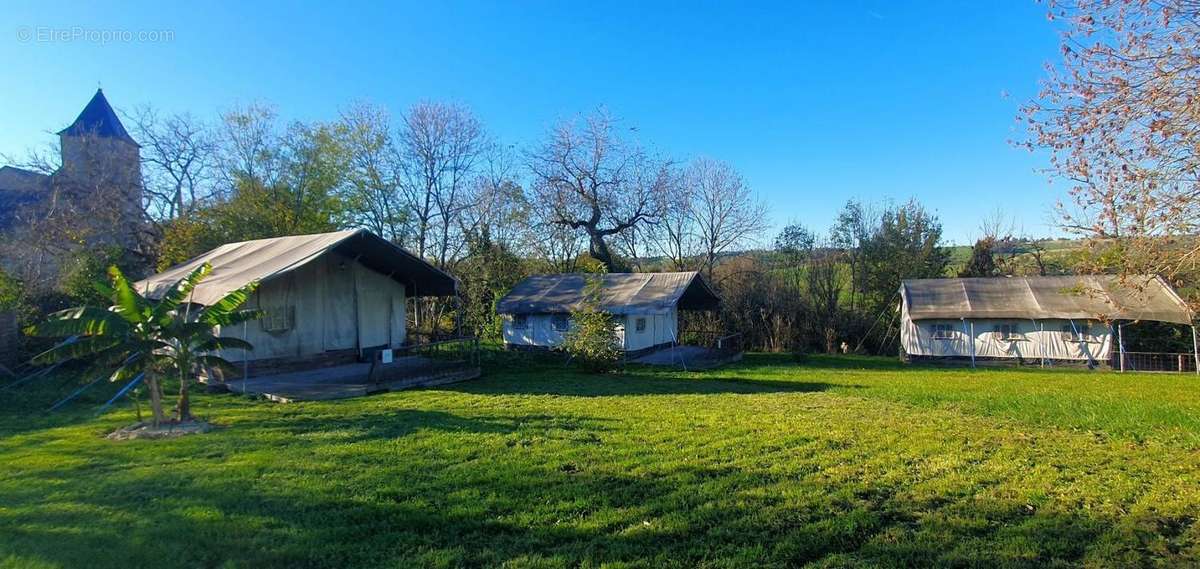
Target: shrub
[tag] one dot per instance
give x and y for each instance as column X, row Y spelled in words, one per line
column 592, row 340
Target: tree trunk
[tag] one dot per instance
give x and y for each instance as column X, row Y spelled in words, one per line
column 152, row 386
column 599, row 251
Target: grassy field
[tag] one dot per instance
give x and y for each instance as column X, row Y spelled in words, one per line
column 834, row 462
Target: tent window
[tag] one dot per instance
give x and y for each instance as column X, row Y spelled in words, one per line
column 520, row 322
column 1069, row 334
column 942, row 332
column 640, row 324
column 278, row 318
column 1007, row 332
column 561, row 322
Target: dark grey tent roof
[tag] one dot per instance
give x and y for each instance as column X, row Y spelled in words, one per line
column 1107, row 297
column 235, row 265
column 621, row 293
column 98, row 119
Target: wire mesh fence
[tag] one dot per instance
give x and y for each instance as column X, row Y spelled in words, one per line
column 1153, row 361
column 428, row 358
column 717, row 341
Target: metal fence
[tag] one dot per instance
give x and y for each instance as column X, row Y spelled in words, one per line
column 714, row 340
column 1153, row 361
column 425, row 360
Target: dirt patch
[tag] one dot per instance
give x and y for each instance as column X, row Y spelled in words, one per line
column 164, row 431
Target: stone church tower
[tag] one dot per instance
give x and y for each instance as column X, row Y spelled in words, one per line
column 100, row 161
column 93, row 198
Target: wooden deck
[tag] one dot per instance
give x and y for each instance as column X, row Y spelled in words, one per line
column 352, row 380
column 688, row 357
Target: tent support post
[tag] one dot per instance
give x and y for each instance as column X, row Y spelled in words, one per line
column 970, row 338
column 245, row 360
column 1195, row 351
column 357, row 312
column 972, row 344
column 1121, row 345
column 1042, row 343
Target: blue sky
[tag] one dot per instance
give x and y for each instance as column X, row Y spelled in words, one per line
column 815, row 103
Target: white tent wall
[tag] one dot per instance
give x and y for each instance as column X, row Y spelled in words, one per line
column 1034, row 339
column 332, row 303
column 661, row 328
column 538, row 331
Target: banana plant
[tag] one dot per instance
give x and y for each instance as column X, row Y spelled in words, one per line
column 153, row 339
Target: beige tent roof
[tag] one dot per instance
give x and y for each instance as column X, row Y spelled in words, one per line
column 237, row 264
column 1105, row 297
column 621, row 293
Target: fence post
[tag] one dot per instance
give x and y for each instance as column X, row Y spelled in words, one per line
column 1195, row 351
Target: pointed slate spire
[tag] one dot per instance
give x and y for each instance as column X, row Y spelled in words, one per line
column 98, row 119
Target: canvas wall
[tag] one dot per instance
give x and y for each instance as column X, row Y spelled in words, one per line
column 313, row 309
column 1034, row 339
column 659, row 329
column 539, row 330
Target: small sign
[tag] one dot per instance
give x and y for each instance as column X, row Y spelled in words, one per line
column 385, row 356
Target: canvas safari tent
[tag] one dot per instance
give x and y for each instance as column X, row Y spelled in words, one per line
column 1052, row 318
column 325, row 296
column 645, row 306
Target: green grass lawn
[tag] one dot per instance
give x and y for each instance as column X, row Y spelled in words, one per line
column 835, row 462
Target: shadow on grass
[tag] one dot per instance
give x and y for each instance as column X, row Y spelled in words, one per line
column 823, row 361
column 389, row 423
column 493, row 513
column 571, row 383
column 26, row 408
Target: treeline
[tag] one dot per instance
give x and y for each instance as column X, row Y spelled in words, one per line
column 833, row 292
column 436, row 182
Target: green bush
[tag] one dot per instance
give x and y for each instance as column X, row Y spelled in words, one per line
column 592, row 340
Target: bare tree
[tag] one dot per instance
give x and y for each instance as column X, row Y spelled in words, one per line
column 439, row 144
column 557, row 245
column 498, row 213
column 179, row 162
column 589, row 180
column 725, row 212
column 674, row 236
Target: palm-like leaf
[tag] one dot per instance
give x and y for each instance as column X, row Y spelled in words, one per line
column 140, row 338
column 221, row 312
column 217, row 343
column 126, row 301
column 104, row 289
column 218, row 362
column 77, row 348
column 83, row 321
column 240, row 316
column 178, row 293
